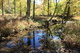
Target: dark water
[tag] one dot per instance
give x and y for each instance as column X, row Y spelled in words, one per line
column 38, row 35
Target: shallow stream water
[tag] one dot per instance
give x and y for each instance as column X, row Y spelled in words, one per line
column 38, row 35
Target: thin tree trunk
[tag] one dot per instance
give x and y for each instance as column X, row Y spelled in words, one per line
column 9, row 5
column 34, row 9
column 68, row 13
column 8, row 2
column 68, row 9
column 48, row 7
column 28, row 8
column 20, row 9
column 2, row 7
column 14, row 7
column 54, row 11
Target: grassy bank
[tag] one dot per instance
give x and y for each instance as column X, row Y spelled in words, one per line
column 71, row 35
column 11, row 25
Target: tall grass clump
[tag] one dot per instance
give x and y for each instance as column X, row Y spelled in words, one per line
column 72, row 35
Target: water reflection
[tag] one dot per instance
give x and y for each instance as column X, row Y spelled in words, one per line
column 39, row 34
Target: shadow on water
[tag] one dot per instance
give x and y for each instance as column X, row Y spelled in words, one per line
column 31, row 39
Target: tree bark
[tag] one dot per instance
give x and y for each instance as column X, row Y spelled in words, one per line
column 48, row 7
column 14, row 7
column 20, row 9
column 2, row 7
column 68, row 9
column 54, row 11
column 28, row 8
column 34, row 9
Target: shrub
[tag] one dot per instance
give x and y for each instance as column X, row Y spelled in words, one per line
column 5, row 31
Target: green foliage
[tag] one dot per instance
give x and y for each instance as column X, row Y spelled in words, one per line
column 9, row 6
column 41, row 9
column 57, row 26
column 0, row 11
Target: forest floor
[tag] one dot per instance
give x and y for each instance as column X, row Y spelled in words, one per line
column 13, row 27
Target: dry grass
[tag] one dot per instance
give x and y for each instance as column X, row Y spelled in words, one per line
column 8, row 26
column 72, row 34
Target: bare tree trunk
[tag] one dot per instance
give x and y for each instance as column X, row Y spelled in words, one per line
column 34, row 9
column 48, row 7
column 54, row 11
column 20, row 9
column 8, row 2
column 68, row 9
column 28, row 8
column 2, row 7
column 9, row 5
column 14, row 7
